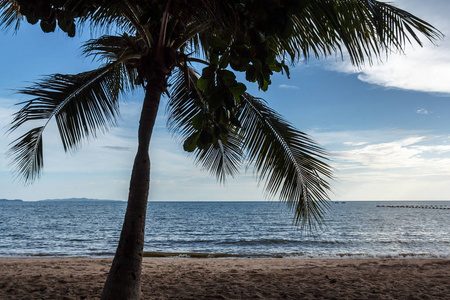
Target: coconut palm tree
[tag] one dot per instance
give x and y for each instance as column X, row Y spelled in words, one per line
column 159, row 47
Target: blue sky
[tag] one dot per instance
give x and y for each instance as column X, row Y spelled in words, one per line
column 386, row 126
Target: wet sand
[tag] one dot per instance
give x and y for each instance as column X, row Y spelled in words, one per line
column 178, row 278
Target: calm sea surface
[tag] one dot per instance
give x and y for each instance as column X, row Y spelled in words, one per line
column 254, row 229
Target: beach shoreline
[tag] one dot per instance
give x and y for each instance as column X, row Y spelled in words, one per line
column 240, row 278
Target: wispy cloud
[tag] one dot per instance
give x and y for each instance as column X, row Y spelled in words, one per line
column 423, row 111
column 396, row 154
column 355, row 143
column 285, row 86
column 117, row 148
column 412, row 167
column 334, row 139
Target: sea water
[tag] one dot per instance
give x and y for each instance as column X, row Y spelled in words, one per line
column 236, row 229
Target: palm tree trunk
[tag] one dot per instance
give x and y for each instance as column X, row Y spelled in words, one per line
column 124, row 278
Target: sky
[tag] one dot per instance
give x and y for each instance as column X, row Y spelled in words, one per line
column 386, row 126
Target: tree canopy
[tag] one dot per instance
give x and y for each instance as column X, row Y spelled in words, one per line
column 220, row 122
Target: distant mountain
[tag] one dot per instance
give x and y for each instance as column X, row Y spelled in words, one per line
column 78, row 200
column 10, row 201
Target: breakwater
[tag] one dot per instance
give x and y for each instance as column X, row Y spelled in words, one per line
column 417, row 206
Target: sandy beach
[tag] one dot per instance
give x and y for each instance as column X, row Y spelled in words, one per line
column 83, row 278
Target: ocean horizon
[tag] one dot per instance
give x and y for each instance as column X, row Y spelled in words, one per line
column 351, row 229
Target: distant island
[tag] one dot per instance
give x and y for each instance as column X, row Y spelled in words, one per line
column 60, row 200
column 78, row 200
column 10, row 201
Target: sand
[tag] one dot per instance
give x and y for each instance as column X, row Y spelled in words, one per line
column 176, row 278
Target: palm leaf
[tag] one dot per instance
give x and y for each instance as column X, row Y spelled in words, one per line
column 181, row 107
column 117, row 48
column 9, row 15
column 109, row 48
column 365, row 28
column 286, row 160
column 27, row 154
column 109, row 15
column 82, row 105
column 222, row 161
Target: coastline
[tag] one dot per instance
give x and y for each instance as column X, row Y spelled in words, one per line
column 238, row 278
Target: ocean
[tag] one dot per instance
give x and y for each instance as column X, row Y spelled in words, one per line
column 233, row 229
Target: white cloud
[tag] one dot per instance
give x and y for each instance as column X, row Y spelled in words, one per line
column 355, row 143
column 285, row 86
column 400, row 154
column 423, row 111
column 404, row 188
column 390, row 164
column 7, row 109
column 424, row 69
column 333, row 140
column 438, row 149
column 397, row 154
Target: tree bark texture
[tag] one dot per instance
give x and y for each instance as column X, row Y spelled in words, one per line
column 124, row 278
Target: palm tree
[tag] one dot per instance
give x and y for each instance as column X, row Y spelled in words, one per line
column 159, row 44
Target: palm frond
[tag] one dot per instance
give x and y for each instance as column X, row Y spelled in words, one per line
column 101, row 17
column 9, row 15
column 181, row 107
column 366, row 28
column 221, row 161
column 27, row 154
column 116, row 48
column 111, row 48
column 394, row 25
column 286, row 160
column 189, row 37
column 82, row 105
